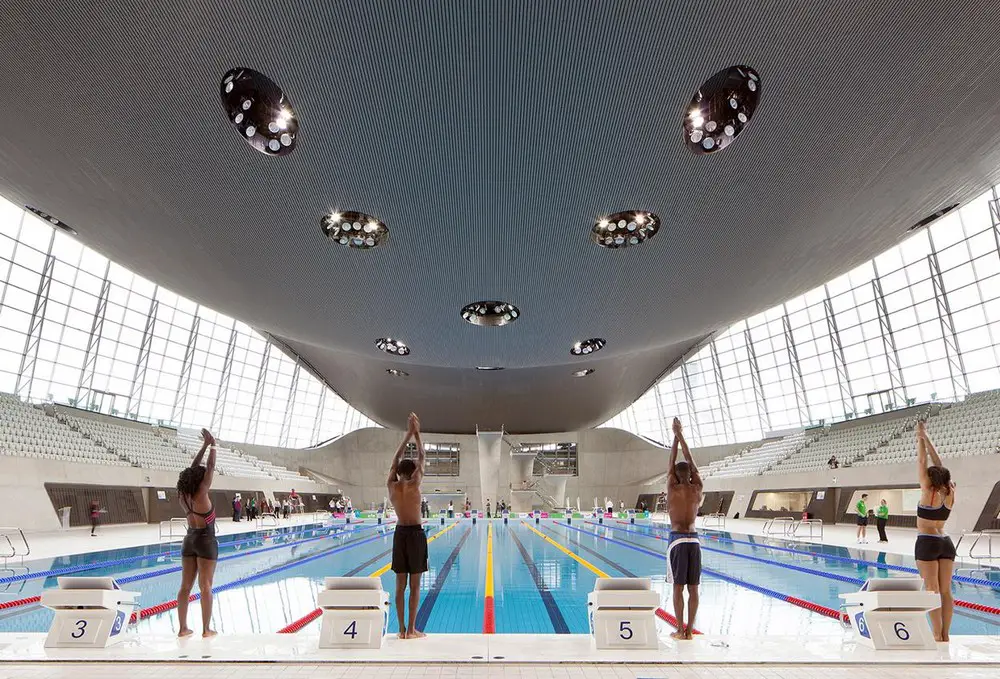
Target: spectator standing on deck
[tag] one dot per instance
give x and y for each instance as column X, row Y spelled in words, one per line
column 95, row 515
column 881, row 519
column 862, row 509
column 488, row 516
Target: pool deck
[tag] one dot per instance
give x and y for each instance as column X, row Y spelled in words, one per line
column 505, row 649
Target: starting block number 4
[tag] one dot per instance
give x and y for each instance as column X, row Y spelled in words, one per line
column 355, row 632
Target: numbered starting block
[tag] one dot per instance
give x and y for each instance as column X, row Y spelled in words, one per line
column 622, row 613
column 355, row 613
column 90, row 613
column 891, row 613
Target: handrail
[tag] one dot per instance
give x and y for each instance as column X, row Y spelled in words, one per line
column 811, row 523
column 976, row 537
column 786, row 526
column 169, row 525
column 717, row 519
column 7, row 532
column 273, row 522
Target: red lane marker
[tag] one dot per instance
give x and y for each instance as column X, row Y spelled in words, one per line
column 670, row 620
column 489, row 619
column 295, row 626
column 817, row 608
column 19, row 602
column 982, row 608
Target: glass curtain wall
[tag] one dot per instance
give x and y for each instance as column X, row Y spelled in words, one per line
column 919, row 323
column 78, row 329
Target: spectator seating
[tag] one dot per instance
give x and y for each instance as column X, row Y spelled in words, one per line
column 232, row 462
column 26, row 431
column 756, row 460
column 135, row 442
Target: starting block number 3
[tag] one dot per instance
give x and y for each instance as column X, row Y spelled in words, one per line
column 78, row 631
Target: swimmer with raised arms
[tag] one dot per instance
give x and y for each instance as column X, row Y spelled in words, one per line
column 684, row 495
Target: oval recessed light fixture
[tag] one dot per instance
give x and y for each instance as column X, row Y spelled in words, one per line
column 260, row 111
column 57, row 223
column 588, row 346
column 395, row 372
column 354, row 229
column 721, row 109
column 489, row 367
column 926, row 221
column 622, row 229
column 489, row 313
column 584, row 372
column 392, row 346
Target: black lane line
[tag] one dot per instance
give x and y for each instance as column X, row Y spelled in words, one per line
column 427, row 605
column 551, row 607
column 598, row 555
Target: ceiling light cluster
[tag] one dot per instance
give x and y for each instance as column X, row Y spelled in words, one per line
column 721, row 109
column 354, row 229
column 259, row 111
column 392, row 346
column 397, row 373
column 622, row 229
column 588, row 346
column 492, row 314
column 929, row 219
column 489, row 367
column 59, row 224
column 584, row 372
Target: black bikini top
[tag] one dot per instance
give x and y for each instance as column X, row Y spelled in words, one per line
column 939, row 513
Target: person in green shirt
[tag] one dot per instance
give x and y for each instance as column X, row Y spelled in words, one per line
column 862, row 509
column 881, row 519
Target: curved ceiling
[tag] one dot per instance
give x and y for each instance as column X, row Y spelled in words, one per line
column 489, row 137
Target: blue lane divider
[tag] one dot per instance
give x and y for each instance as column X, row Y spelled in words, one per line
column 111, row 563
column 844, row 559
column 707, row 571
column 285, row 566
column 792, row 567
column 175, row 569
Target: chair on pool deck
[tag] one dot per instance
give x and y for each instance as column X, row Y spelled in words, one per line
column 622, row 613
column 355, row 613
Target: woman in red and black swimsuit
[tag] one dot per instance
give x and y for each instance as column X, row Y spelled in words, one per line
column 200, row 550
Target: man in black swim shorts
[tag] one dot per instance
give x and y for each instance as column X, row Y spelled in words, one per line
column 684, row 494
column 409, row 544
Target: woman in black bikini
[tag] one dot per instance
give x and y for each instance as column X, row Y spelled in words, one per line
column 200, row 550
column 935, row 552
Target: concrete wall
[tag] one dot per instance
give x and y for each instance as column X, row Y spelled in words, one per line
column 974, row 477
column 611, row 463
column 27, row 505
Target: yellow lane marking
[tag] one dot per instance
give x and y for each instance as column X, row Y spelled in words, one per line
column 586, row 564
column 489, row 561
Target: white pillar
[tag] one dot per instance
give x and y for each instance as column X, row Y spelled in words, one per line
column 489, row 466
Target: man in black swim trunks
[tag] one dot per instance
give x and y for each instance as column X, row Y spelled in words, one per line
column 409, row 545
column 684, row 494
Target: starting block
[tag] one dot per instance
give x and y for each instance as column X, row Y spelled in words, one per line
column 355, row 613
column 622, row 613
column 90, row 612
column 891, row 613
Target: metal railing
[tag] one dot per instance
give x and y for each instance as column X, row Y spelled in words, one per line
column 716, row 521
column 782, row 525
column 168, row 530
column 976, row 538
column 811, row 524
column 16, row 544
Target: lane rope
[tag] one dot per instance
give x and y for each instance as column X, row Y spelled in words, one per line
column 296, row 625
column 15, row 603
column 971, row 605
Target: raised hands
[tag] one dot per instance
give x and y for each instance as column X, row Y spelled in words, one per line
column 207, row 436
column 677, row 428
column 413, row 424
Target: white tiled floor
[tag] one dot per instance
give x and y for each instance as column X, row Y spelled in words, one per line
column 521, row 649
column 563, row 671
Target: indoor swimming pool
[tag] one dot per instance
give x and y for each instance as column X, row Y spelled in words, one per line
column 519, row 577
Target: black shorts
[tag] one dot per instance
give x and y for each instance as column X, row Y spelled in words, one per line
column 862, row 520
column 202, row 543
column 934, row 548
column 409, row 550
column 684, row 556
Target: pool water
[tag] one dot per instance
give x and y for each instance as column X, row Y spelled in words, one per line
column 541, row 577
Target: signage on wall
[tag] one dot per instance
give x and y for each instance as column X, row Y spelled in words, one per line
column 820, row 494
column 161, row 495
